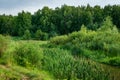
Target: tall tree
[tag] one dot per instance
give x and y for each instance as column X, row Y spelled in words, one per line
column 23, row 22
column 116, row 15
column 98, row 15
column 6, row 24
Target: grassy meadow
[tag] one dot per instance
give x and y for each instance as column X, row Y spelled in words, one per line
column 64, row 43
column 81, row 55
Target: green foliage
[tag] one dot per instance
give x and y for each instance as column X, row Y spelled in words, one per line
column 88, row 70
column 107, row 24
column 3, row 44
column 115, row 61
column 23, row 22
column 105, row 41
column 39, row 35
column 34, row 57
column 6, row 24
column 21, row 73
column 71, row 58
column 27, row 35
column 60, row 21
column 64, row 66
column 114, row 14
column 28, row 55
column 22, row 60
column 59, row 39
column 59, row 62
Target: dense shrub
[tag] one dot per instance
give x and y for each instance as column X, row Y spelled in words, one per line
column 104, row 40
column 39, row 35
column 27, row 35
column 59, row 39
column 28, row 55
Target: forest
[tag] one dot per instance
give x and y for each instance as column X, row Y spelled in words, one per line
column 58, row 21
column 65, row 43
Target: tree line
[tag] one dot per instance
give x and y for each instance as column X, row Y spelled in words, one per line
column 47, row 22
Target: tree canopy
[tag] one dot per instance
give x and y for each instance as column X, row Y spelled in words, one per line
column 59, row 21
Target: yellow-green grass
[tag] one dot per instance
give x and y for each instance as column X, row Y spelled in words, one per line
column 21, row 73
column 12, row 71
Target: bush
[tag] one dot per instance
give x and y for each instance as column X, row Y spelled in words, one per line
column 59, row 39
column 27, row 35
column 28, row 55
column 39, row 35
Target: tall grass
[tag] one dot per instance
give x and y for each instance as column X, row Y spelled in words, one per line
column 3, row 44
column 64, row 66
